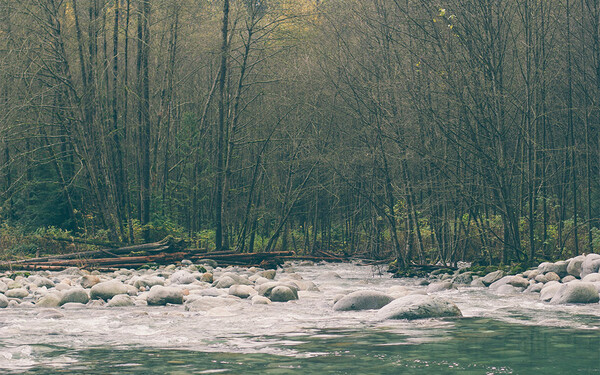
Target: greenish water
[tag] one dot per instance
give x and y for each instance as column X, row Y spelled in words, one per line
column 462, row 346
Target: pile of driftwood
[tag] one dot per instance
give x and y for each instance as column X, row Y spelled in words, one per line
column 167, row 251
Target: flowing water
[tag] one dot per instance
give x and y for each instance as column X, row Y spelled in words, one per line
column 514, row 334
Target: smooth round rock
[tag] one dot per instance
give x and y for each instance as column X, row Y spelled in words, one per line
column 492, row 277
column 74, row 295
column 160, row 296
column 107, row 290
column 363, row 300
column 17, row 293
column 419, row 307
column 121, row 300
column 282, row 293
column 576, row 293
column 439, row 286
column 574, row 266
column 3, row 301
column 242, row 291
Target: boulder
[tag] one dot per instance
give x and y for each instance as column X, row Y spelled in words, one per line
column 160, row 295
column 3, row 287
column 574, row 266
column 552, row 276
column 591, row 264
column 463, row 278
column 266, row 288
column 268, row 274
column 363, row 300
column 207, row 277
column 591, row 278
column 148, row 281
column 508, row 289
column 242, row 291
column 576, row 293
column 225, row 282
column 282, row 293
column 182, row 277
column 16, row 293
column 49, row 300
column 559, row 268
column 541, row 279
column 74, row 295
column 439, row 286
column 549, row 290
column 515, row 281
column 3, row 301
column 568, row 279
column 208, row 303
column 418, row 307
column 121, row 300
column 43, row 282
column 531, row 274
column 88, row 281
column 107, row 290
column 534, row 288
column 491, row 277
column 477, row 283
column 260, row 300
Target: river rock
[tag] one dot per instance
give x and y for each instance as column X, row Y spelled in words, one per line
column 559, row 268
column 549, row 290
column 208, row 303
column 74, row 295
column 439, row 286
column 161, row 295
column 3, row 287
column 121, row 300
column 3, row 301
column 508, row 289
column 283, row 293
column 182, row 277
column 43, row 282
column 541, row 279
column 568, row 279
column 260, row 300
column 224, row 282
column 148, row 282
column 49, row 300
column 207, row 277
column 242, row 291
column 88, row 281
column 591, row 264
column 552, row 276
column 574, row 267
column 268, row 274
column 576, row 293
column 534, row 288
column 491, row 277
column 463, row 278
column 515, row 281
column 418, row 307
column 363, row 300
column 107, row 290
column 17, row 293
column 591, row 278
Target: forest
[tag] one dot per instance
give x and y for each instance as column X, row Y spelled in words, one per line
column 427, row 131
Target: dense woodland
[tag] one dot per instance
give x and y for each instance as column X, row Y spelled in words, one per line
column 460, row 130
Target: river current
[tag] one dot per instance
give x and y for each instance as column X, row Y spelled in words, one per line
column 499, row 334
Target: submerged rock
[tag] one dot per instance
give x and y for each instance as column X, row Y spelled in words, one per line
column 260, row 300
column 363, row 300
column 49, row 300
column 418, row 307
column 576, row 293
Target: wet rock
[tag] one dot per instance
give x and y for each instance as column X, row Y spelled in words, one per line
column 418, row 307
column 88, row 281
column 50, row 314
column 266, row 288
column 549, row 290
column 3, row 301
column 120, row 300
column 74, row 295
column 242, row 291
column 574, row 266
column 182, row 277
column 552, row 276
column 107, row 290
column 491, row 277
column 17, row 293
column 439, row 286
column 260, row 300
column 160, row 295
column 591, row 278
column 463, row 278
column 149, row 282
column 96, row 303
column 559, row 268
column 363, row 300
column 534, row 288
column 591, row 264
column 49, row 300
column 283, row 293
column 576, row 293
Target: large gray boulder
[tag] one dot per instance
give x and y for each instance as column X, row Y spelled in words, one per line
column 439, row 286
column 49, row 300
column 283, row 293
column 417, row 306
column 74, row 295
column 265, row 289
column 559, row 268
column 491, row 277
column 224, row 282
column 3, row 301
column 182, row 277
column 107, row 290
column 549, row 290
column 515, row 281
column 574, row 266
column 363, row 300
column 591, row 278
column 43, row 282
column 591, row 264
column 579, row 292
column 160, row 295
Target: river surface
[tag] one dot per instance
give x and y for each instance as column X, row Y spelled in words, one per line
column 516, row 334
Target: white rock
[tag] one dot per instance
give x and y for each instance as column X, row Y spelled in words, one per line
column 439, row 286
column 549, row 290
column 182, row 277
column 49, row 300
column 260, row 300
column 74, row 295
column 3, row 301
column 591, row 278
column 242, row 291
column 418, row 307
column 149, row 281
column 121, row 300
column 574, row 267
column 363, row 300
column 591, row 264
column 107, row 290
column 492, row 277
column 161, row 295
column 576, row 293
